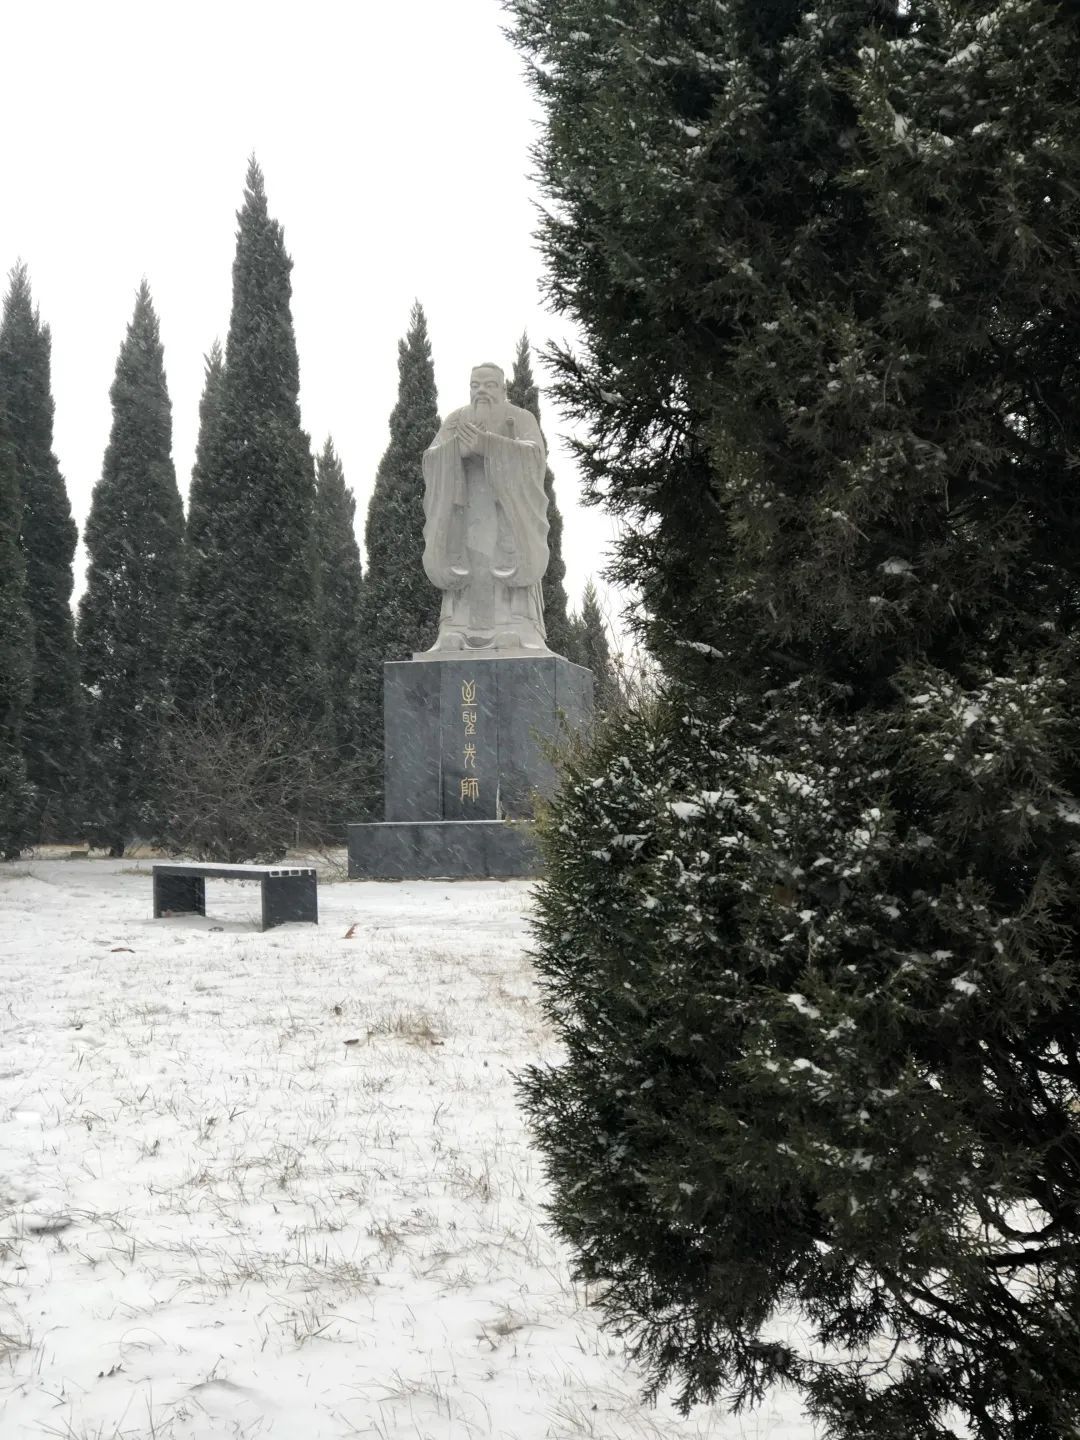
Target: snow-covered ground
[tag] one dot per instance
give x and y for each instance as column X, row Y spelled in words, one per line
column 275, row 1185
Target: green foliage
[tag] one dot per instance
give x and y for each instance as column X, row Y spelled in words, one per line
column 52, row 726
column 133, row 538
column 808, row 1071
column 809, row 933
column 340, row 636
column 522, row 390
column 245, row 636
column 200, row 498
column 16, row 657
column 590, row 647
column 400, row 606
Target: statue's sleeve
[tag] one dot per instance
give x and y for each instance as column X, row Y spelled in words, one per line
column 515, row 467
column 444, row 497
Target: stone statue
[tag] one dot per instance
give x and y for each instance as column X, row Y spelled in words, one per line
column 485, row 523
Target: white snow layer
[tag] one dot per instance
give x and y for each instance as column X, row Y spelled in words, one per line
column 276, row 1185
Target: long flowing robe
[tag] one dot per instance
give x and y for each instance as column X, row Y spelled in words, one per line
column 486, row 527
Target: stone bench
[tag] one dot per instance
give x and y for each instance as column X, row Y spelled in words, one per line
column 289, row 892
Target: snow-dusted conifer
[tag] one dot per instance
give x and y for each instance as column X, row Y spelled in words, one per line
column 53, row 732
column 133, row 539
column 201, row 493
column 400, row 606
column 16, row 656
column 591, row 648
column 340, row 635
column 246, row 634
column 808, row 935
column 522, row 390
column 197, row 539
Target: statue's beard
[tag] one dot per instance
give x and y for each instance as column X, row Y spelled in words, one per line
column 489, row 414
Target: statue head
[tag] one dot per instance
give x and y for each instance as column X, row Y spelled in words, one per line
column 487, row 387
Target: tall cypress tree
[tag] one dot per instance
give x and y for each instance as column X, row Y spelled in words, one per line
column 340, row 635
column 246, row 631
column 16, row 656
column 201, row 493
column 53, row 724
column 522, row 390
column 592, row 649
column 133, row 538
column 809, row 933
column 400, row 606
column 195, row 543
column 197, row 539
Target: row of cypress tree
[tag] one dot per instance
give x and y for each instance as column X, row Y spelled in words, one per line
column 251, row 623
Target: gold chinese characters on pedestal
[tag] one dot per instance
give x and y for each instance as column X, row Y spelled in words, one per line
column 470, row 784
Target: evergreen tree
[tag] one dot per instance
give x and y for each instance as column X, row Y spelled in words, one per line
column 591, row 649
column 16, row 657
column 201, row 493
column 246, row 629
column 53, row 722
column 400, row 606
column 197, row 542
column 522, row 390
column 809, row 932
column 133, row 539
column 340, row 635
column 198, row 539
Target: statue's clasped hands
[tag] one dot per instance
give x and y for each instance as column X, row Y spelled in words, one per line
column 471, row 438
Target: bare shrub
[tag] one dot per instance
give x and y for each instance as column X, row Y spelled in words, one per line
column 236, row 789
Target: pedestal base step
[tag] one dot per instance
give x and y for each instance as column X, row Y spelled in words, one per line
column 442, row 850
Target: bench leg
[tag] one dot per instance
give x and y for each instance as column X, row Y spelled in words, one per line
column 289, row 897
column 179, row 895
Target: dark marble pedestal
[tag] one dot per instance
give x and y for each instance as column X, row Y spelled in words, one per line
column 465, row 756
column 442, row 850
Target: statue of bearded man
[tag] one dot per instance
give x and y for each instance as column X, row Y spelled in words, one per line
column 486, row 528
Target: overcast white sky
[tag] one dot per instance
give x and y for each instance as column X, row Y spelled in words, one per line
column 394, row 139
